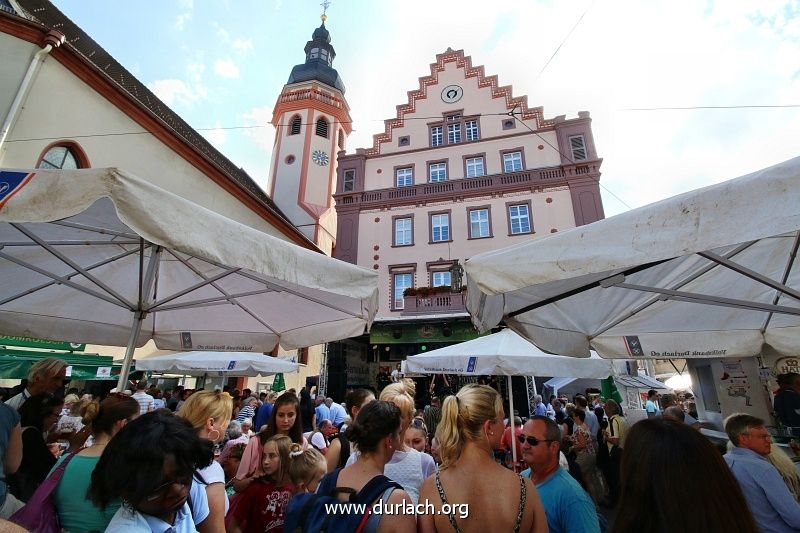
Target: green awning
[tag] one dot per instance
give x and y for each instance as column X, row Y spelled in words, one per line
column 14, row 364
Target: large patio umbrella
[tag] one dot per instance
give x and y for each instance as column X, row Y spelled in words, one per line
column 709, row 273
column 228, row 364
column 103, row 256
column 505, row 354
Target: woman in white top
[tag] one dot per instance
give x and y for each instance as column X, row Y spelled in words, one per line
column 407, row 466
column 209, row 412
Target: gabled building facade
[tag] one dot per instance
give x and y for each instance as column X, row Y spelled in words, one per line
column 465, row 167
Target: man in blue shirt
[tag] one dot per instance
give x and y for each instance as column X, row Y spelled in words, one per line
column 568, row 507
column 651, row 406
column 322, row 411
column 769, row 499
column 337, row 412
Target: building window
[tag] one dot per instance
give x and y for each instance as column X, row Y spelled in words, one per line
column 302, row 356
column 440, row 227
column 405, row 140
column 341, row 140
column 400, row 282
column 471, row 127
column 404, row 177
column 322, row 128
column 403, row 231
column 440, row 278
column 578, row 147
column 454, row 133
column 509, row 124
column 512, row 162
column 475, row 167
column 314, row 53
column 437, row 172
column 60, row 157
column 436, row 136
column 519, row 219
column 479, row 223
column 296, row 122
column 349, row 181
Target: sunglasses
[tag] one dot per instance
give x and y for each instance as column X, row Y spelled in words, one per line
column 532, row 441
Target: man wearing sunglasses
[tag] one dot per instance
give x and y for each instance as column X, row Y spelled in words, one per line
column 568, row 507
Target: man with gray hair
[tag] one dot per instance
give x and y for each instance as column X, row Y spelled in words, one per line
column 46, row 375
column 773, row 506
column 541, row 408
column 668, row 400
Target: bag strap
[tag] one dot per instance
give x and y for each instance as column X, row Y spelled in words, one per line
column 328, row 483
column 374, row 488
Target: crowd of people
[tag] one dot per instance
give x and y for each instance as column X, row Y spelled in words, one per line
column 215, row 461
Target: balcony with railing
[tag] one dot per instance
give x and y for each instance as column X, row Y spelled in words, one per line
column 442, row 302
column 509, row 181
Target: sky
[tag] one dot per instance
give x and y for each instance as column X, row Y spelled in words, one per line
column 221, row 66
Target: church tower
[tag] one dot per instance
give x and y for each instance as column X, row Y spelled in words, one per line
column 312, row 121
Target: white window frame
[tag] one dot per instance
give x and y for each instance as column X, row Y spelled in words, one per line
column 406, row 174
column 454, row 133
column 438, row 278
column 518, row 218
column 578, row 149
column 398, row 288
column 476, row 167
column 471, row 129
column 440, row 222
column 437, row 135
column 441, row 172
column 512, row 161
column 403, row 231
column 479, row 218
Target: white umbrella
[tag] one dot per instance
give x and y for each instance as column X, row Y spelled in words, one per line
column 709, row 273
column 108, row 258
column 230, row 364
column 505, row 354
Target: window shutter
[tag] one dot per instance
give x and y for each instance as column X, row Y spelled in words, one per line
column 578, row 148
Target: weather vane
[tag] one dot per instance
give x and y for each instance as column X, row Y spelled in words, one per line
column 325, row 5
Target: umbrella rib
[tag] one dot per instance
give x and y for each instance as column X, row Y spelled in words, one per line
column 71, row 243
column 62, row 280
column 69, row 276
column 582, row 289
column 222, row 291
column 752, row 274
column 202, row 284
column 691, row 297
column 682, row 283
column 785, row 277
column 31, row 235
column 202, row 303
column 94, row 229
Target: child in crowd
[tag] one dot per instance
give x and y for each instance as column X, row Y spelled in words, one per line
column 230, row 464
column 306, row 468
column 262, row 506
column 417, row 436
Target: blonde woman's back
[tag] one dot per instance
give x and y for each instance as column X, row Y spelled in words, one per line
column 484, row 497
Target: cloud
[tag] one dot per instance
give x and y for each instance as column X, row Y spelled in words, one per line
column 264, row 135
column 182, row 19
column 175, row 92
column 186, row 4
column 243, row 46
column 226, row 68
column 216, row 136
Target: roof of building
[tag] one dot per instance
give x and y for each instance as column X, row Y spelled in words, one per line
column 317, row 68
column 46, row 14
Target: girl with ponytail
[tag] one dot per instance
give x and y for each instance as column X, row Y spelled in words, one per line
column 470, row 430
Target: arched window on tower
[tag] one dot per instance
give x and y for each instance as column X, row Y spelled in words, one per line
column 341, row 140
column 295, row 124
column 322, row 127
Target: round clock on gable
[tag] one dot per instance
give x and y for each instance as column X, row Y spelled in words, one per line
column 319, row 157
column 452, row 94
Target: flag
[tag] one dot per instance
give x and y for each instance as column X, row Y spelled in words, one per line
column 278, row 384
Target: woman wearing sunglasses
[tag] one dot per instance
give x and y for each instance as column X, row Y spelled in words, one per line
column 469, row 479
column 150, row 465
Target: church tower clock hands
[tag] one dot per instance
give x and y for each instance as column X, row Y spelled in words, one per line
column 312, row 121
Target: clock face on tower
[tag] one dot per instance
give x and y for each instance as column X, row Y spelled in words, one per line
column 319, row 157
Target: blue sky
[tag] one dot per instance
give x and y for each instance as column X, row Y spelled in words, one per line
column 222, row 65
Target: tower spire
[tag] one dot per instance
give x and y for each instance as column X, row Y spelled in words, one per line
column 325, row 5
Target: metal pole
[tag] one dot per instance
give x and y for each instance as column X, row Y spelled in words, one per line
column 511, row 420
column 145, row 289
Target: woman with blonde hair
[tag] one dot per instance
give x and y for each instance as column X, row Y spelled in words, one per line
column 407, row 466
column 210, row 412
column 470, row 430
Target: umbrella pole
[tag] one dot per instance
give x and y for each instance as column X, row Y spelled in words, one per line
column 511, row 420
column 145, row 289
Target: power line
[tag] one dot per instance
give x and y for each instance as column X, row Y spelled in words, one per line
column 562, row 42
column 783, row 106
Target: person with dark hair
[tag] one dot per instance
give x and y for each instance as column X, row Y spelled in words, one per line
column 568, row 507
column 340, row 448
column 769, row 499
column 76, row 513
column 470, row 430
column 376, row 434
column 308, row 412
column 662, row 454
column 284, row 420
column 150, row 466
column 614, row 436
column 38, row 415
column 787, row 400
column 651, row 406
